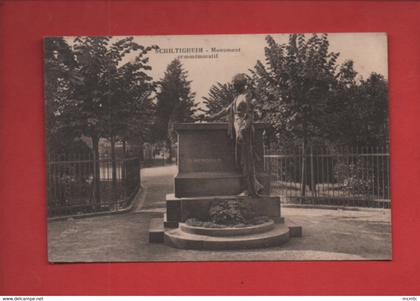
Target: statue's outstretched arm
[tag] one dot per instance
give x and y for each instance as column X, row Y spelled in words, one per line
column 219, row 114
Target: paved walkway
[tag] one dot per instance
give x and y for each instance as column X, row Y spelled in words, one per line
column 157, row 182
column 328, row 234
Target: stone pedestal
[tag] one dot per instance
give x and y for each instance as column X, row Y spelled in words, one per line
column 206, row 161
column 206, row 173
column 178, row 210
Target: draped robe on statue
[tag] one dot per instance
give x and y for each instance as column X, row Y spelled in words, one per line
column 241, row 128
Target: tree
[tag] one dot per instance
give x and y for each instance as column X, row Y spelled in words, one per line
column 339, row 119
column 220, row 96
column 175, row 103
column 357, row 115
column 103, row 96
column 109, row 96
column 294, row 85
column 373, row 110
column 129, row 102
column 59, row 62
column 136, row 108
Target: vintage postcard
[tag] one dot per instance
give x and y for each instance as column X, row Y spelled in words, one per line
column 217, row 147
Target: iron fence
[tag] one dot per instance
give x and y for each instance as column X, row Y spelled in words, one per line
column 357, row 176
column 71, row 184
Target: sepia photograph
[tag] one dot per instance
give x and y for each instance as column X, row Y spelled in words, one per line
column 246, row 147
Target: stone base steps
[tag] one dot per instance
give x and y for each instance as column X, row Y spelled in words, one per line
column 227, row 231
column 171, row 228
column 156, row 230
column 177, row 238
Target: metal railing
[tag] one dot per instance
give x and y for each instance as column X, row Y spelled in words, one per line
column 357, row 176
column 71, row 184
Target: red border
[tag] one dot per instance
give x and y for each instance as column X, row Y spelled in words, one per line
column 23, row 251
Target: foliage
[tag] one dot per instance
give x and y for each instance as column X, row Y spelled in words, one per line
column 205, row 224
column 373, row 110
column 258, row 220
column 294, row 84
column 230, row 212
column 305, row 95
column 58, row 64
column 358, row 112
column 351, row 175
column 90, row 90
column 111, row 94
column 220, row 96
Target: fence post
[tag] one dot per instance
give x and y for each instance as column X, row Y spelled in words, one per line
column 114, row 173
column 267, row 168
column 124, row 152
column 96, row 172
column 313, row 188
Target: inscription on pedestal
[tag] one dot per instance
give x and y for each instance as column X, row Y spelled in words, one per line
column 200, row 164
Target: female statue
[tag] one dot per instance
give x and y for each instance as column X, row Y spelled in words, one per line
column 240, row 115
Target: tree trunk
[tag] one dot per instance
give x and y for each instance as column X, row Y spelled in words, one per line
column 303, row 178
column 141, row 149
column 114, row 172
column 140, row 159
column 96, row 172
column 124, row 146
column 123, row 169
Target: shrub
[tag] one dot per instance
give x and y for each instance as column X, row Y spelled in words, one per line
column 353, row 176
column 231, row 212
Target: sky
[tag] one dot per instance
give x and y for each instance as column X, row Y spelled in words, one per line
column 367, row 50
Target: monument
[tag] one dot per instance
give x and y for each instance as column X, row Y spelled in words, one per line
column 207, row 175
column 221, row 198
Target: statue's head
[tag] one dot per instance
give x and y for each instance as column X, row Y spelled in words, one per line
column 239, row 82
